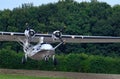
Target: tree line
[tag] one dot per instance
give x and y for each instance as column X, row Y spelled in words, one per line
column 85, row 18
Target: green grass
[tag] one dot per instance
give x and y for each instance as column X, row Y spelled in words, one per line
column 26, row 77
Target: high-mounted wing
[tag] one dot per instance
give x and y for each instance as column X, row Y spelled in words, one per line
column 15, row 36
column 90, row 39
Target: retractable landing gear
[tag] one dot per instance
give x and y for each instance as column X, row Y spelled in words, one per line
column 24, row 59
column 54, row 60
column 46, row 58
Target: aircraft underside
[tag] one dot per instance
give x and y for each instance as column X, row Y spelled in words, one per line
column 43, row 55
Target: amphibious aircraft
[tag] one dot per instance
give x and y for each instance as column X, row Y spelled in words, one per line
column 43, row 49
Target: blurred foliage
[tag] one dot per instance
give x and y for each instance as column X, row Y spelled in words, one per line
column 69, row 63
column 85, row 18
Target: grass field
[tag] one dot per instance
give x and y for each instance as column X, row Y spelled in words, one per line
column 25, row 77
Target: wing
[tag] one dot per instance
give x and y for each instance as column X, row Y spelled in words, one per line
column 15, row 36
column 11, row 36
column 91, row 39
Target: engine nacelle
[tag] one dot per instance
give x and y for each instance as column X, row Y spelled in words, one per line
column 56, row 35
column 29, row 33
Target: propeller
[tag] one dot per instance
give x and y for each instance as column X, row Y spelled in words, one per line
column 29, row 33
column 58, row 34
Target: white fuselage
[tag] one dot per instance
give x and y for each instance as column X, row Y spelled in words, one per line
column 39, row 51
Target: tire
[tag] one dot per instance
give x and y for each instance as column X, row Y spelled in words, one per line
column 55, row 62
column 23, row 60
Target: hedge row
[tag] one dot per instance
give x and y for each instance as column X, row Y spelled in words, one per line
column 70, row 62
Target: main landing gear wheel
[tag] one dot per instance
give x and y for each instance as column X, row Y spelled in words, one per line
column 24, row 60
column 55, row 62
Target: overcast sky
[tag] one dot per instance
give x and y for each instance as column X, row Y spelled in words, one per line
column 10, row 4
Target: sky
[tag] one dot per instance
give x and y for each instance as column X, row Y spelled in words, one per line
column 10, row 4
